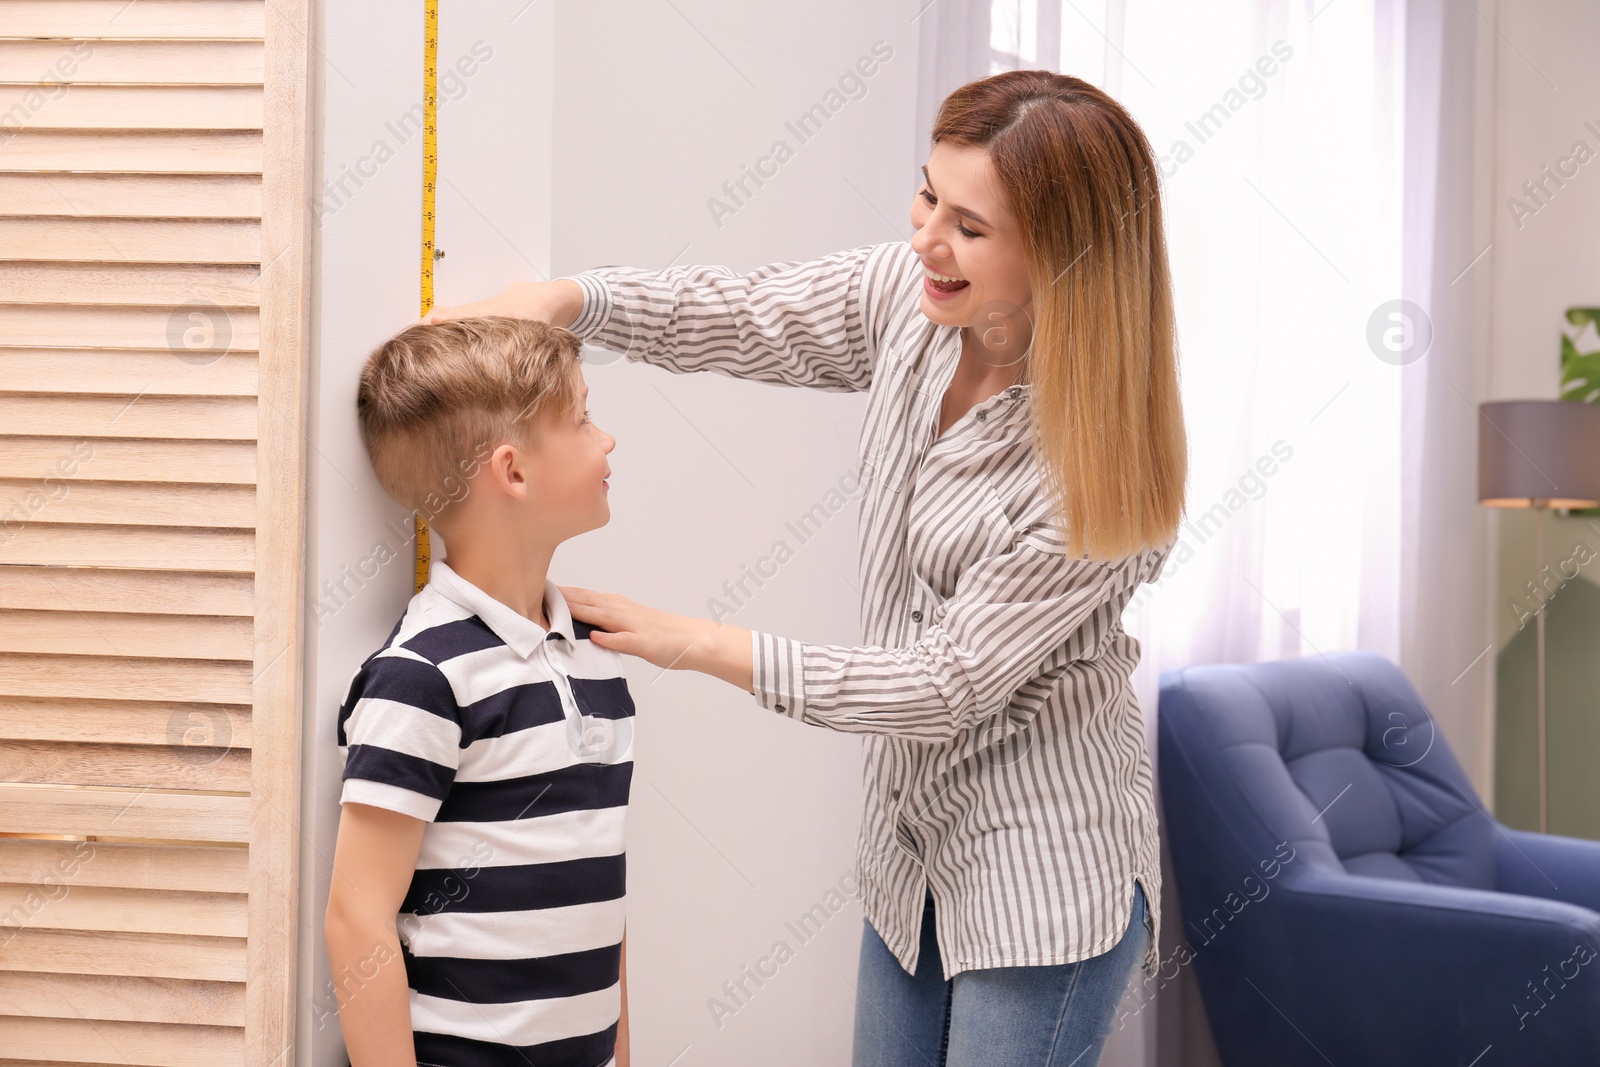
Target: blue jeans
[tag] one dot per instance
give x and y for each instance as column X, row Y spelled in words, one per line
column 1056, row 1016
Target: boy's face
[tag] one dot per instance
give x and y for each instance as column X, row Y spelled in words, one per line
column 568, row 469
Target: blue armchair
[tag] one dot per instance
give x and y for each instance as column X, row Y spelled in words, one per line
column 1346, row 897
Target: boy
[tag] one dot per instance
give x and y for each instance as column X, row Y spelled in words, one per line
column 488, row 744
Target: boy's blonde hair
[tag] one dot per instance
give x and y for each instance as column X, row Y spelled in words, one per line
column 437, row 398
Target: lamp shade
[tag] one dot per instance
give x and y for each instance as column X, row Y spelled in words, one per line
column 1539, row 453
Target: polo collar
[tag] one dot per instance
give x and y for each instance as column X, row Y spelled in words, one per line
column 515, row 629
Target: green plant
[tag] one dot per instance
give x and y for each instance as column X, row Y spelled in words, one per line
column 1580, row 370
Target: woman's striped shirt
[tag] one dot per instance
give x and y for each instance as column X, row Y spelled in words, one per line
column 1006, row 769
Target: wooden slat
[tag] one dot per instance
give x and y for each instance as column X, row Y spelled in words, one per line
column 82, row 417
column 161, row 592
column 118, row 18
column 200, row 333
column 105, row 633
column 140, row 1044
column 122, row 19
column 281, row 583
column 134, row 152
column 195, row 868
column 182, row 766
column 97, row 996
column 117, row 678
column 141, row 548
column 68, row 906
column 155, row 766
column 127, row 460
column 216, row 959
column 96, row 240
column 125, row 283
column 178, row 196
column 133, row 62
column 135, row 107
column 129, row 373
column 134, row 503
column 124, row 722
column 43, row 809
column 130, row 503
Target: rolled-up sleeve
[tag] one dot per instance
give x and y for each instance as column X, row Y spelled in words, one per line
column 1010, row 613
column 810, row 324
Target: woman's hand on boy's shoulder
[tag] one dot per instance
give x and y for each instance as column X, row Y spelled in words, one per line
column 669, row 641
column 558, row 303
column 631, row 628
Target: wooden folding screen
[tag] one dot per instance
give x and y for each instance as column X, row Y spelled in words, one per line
column 153, row 338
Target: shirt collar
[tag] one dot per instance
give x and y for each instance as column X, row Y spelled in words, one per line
column 515, row 629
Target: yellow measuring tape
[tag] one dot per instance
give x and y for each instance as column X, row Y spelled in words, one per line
column 430, row 174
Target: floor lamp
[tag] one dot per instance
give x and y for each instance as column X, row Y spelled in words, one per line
column 1539, row 454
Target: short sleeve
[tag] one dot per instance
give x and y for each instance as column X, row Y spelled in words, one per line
column 400, row 733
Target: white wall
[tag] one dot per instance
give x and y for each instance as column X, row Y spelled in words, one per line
column 741, row 821
column 367, row 234
column 1547, row 88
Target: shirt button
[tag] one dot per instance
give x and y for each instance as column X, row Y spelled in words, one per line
column 1014, row 392
column 982, row 415
column 916, row 616
column 777, row 707
column 894, row 794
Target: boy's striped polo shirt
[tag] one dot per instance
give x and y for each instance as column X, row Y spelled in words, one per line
column 515, row 745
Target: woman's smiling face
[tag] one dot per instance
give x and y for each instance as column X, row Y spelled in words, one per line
column 965, row 232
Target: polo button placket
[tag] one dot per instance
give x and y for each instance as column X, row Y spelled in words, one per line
column 569, row 702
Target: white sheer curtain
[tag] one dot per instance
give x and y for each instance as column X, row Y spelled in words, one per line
column 1447, row 621
column 1279, row 129
column 1300, row 192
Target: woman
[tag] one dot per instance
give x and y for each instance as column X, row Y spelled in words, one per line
column 1024, row 459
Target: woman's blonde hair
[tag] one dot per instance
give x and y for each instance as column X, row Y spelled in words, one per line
column 1082, row 183
column 437, row 398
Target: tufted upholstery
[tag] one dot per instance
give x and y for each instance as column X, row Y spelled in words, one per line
column 1346, row 895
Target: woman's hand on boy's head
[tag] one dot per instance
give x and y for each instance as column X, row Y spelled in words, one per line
column 558, row 303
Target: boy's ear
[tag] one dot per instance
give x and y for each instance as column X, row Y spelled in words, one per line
column 508, row 468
